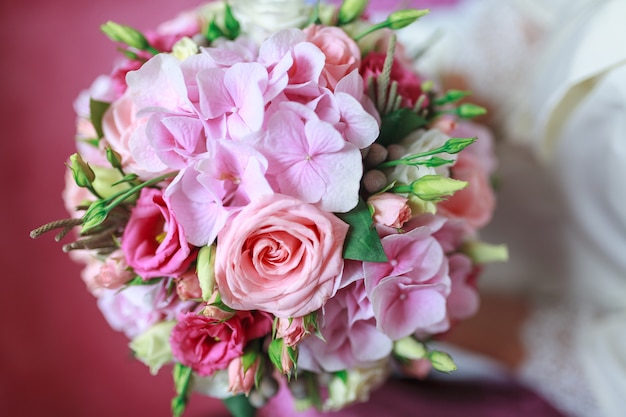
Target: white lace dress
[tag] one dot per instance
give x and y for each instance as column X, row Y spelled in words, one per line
column 555, row 72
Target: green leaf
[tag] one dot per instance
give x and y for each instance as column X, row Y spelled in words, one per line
column 362, row 242
column 248, row 358
column 182, row 378
column 96, row 110
column 239, row 406
column 140, row 281
column 451, row 96
column 398, row 124
column 275, row 352
column 213, row 32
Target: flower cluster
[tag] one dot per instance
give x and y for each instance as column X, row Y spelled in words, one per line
column 267, row 205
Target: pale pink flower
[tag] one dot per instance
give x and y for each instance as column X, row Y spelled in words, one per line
column 342, row 53
column 350, row 335
column 311, row 161
column 409, row 291
column 135, row 309
column 204, row 195
column 280, row 255
column 225, row 53
column 115, row 272
column 241, row 381
column 207, row 344
column 153, row 241
column 390, row 209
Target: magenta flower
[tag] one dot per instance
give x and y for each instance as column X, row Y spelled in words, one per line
column 153, row 241
column 208, row 344
column 311, row 161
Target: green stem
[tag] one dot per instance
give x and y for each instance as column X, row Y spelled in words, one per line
column 372, row 29
column 118, row 198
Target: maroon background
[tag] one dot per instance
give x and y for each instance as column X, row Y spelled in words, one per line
column 58, row 356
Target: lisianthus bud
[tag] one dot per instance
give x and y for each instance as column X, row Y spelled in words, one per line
column 409, row 348
column 206, row 270
column 436, row 187
column 351, row 10
column 152, row 347
column 441, row 361
column 114, row 158
column 126, row 35
column 469, row 111
column 482, row 253
column 403, row 18
column 82, row 172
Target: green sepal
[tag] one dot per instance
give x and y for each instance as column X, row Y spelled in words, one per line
column 95, row 215
column 96, row 111
column 140, row 281
column 398, row 124
column 248, row 358
column 343, row 375
column 213, row 32
column 233, row 28
column 362, row 241
column 182, row 378
column 275, row 352
column 220, row 304
column 239, row 406
column 451, row 96
column 127, row 179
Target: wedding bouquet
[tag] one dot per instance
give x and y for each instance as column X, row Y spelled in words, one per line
column 269, row 197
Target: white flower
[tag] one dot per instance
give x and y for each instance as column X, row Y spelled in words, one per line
column 215, row 386
column 360, row 382
column 261, row 18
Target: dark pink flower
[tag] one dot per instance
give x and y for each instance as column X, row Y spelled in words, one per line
column 409, row 84
column 208, row 344
column 153, row 242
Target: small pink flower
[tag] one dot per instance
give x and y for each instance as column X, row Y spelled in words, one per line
column 115, row 272
column 409, row 84
column 153, row 242
column 390, row 209
column 188, row 286
column 292, row 331
column 241, row 381
column 207, row 344
column 280, row 255
column 342, row 53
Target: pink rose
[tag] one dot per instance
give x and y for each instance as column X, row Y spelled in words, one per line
column 409, row 84
column 390, row 209
column 241, row 381
column 208, row 344
column 342, row 53
column 280, row 255
column 114, row 272
column 154, row 243
column 476, row 202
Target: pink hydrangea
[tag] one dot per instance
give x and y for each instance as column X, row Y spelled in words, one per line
column 409, row 292
column 207, row 344
column 153, row 241
column 350, row 335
